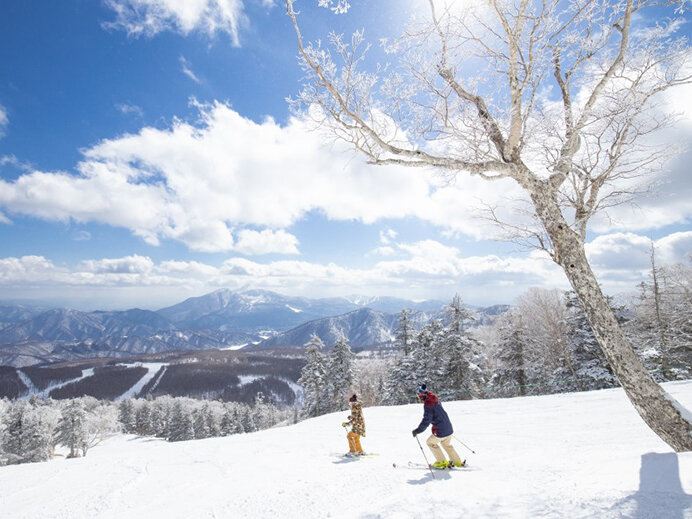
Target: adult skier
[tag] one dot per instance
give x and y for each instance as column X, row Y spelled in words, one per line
column 355, row 420
column 441, row 437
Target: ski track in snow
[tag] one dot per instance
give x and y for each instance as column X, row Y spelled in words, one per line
column 45, row 393
column 158, row 380
column 152, row 367
column 574, row 456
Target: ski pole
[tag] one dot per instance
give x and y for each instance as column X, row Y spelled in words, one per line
column 469, row 448
column 426, row 458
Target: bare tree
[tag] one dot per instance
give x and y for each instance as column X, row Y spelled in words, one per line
column 471, row 94
column 544, row 317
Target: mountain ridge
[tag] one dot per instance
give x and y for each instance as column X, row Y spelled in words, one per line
column 222, row 319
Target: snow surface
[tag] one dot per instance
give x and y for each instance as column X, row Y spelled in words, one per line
column 152, row 369
column 581, row 455
column 33, row 390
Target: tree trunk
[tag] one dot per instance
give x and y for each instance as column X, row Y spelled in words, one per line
column 662, row 413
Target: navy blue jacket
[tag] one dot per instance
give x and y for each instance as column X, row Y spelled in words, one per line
column 434, row 414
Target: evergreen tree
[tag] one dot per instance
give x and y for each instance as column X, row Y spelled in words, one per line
column 159, row 417
column 402, row 381
column 127, row 416
column 181, row 424
column 314, row 378
column 72, row 428
column 428, row 354
column 510, row 378
column 40, row 430
column 213, row 426
column 200, row 424
column 143, row 425
column 591, row 368
column 229, row 422
column 405, row 332
column 14, row 439
column 340, row 374
column 461, row 359
column 458, row 315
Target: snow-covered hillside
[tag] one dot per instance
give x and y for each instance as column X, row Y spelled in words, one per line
column 584, row 455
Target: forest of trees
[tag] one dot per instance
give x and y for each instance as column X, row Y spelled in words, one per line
column 31, row 429
column 542, row 345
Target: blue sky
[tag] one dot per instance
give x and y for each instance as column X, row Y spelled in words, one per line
column 147, row 154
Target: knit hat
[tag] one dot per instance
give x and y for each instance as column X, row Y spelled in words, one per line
column 422, row 391
column 354, row 398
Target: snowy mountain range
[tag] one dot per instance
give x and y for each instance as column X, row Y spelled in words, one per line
column 219, row 320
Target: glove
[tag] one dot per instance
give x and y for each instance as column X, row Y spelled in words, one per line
column 344, row 424
column 414, row 433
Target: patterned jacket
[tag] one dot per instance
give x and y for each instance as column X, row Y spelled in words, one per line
column 356, row 419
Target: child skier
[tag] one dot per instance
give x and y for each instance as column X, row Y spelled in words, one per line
column 355, row 420
column 441, row 430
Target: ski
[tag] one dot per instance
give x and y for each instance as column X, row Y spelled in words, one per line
column 364, row 455
column 423, row 466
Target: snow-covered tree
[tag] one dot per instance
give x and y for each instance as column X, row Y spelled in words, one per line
column 230, row 420
column 102, row 422
column 73, row 432
column 127, row 415
column 591, row 367
column 459, row 317
column 28, row 433
column 661, row 328
column 313, row 378
column 143, row 424
column 510, row 376
column 340, row 374
column 427, row 354
column 543, row 315
column 404, row 332
column 461, row 359
column 371, row 376
column 472, row 95
column 160, row 412
column 181, row 427
column 402, row 381
column 212, row 414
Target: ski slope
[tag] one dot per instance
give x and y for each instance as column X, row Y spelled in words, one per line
column 581, row 455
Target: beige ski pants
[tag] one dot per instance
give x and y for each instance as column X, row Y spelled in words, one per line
column 437, row 444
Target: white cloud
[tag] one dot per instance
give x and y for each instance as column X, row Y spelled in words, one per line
column 31, row 269
column 185, row 67
column 430, row 269
column 623, row 251
column 674, row 248
column 150, row 17
column 622, row 260
column 423, row 269
column 81, row 236
column 196, row 183
column 388, row 235
column 129, row 109
column 4, row 120
column 383, row 251
column 134, row 264
column 265, row 242
column 205, row 184
column 630, row 251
